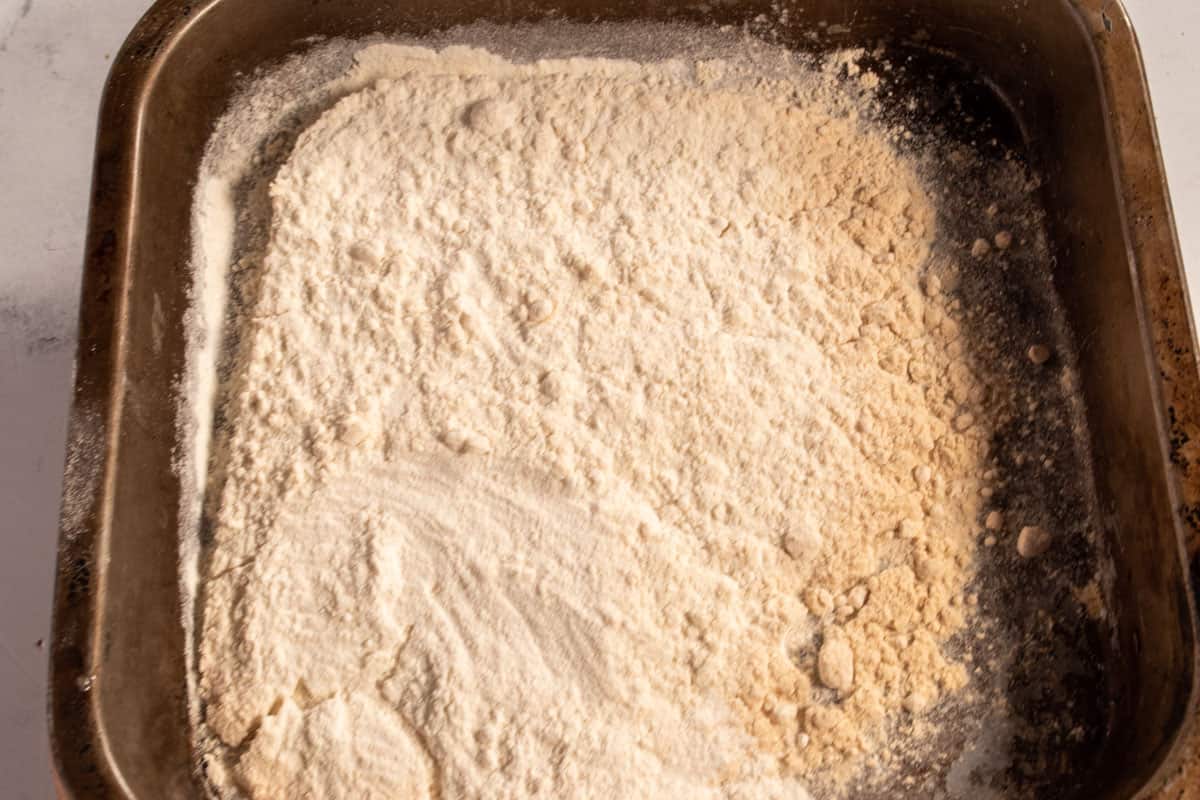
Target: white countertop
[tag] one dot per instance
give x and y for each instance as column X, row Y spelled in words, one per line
column 54, row 55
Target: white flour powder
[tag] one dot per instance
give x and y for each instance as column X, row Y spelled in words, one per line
column 596, row 429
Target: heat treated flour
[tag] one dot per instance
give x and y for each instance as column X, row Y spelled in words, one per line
column 595, row 429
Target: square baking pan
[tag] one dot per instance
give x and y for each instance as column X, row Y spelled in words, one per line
column 1061, row 79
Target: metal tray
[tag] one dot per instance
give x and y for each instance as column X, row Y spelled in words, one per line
column 1060, row 81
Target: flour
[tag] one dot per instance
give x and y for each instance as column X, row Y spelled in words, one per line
column 594, row 428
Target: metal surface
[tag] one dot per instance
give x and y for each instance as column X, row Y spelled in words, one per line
column 1062, row 81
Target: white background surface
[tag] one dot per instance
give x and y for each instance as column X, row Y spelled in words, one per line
column 54, row 55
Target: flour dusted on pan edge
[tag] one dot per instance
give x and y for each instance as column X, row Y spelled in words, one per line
column 593, row 428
